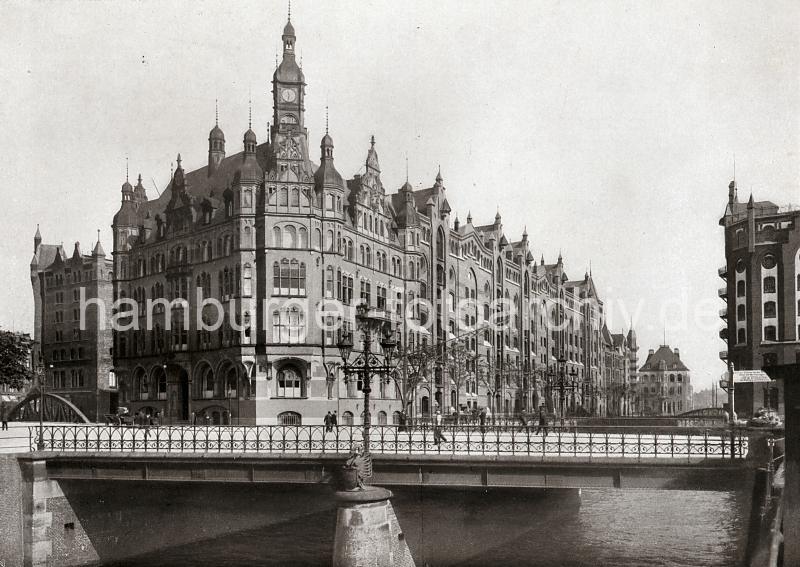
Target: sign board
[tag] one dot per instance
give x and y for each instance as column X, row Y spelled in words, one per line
column 746, row 376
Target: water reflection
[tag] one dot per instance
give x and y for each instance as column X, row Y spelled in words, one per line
column 446, row 527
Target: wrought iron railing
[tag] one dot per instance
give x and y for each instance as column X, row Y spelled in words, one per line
column 628, row 443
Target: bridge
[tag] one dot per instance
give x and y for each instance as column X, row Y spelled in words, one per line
column 45, row 486
column 619, row 457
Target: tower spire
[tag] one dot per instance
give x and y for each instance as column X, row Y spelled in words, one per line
column 126, row 168
column 290, row 11
column 326, row 118
column 216, row 112
column 250, row 111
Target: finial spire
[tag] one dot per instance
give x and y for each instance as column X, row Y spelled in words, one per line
column 126, row 168
column 216, row 112
column 372, row 142
column 178, row 160
column 406, row 167
column 326, row 118
column 98, row 235
column 250, row 111
column 734, row 167
column 290, row 10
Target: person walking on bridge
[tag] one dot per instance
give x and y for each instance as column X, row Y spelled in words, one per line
column 437, row 428
column 542, row 426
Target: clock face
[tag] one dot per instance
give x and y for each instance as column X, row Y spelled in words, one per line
column 288, row 95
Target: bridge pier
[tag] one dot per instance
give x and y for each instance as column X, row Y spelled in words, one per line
column 367, row 531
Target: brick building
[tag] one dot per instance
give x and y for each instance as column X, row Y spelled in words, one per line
column 75, row 358
column 268, row 231
column 664, row 385
column 762, row 294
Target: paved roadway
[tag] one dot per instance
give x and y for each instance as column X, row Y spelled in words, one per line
column 384, row 440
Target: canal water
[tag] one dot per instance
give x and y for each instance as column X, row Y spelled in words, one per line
column 237, row 526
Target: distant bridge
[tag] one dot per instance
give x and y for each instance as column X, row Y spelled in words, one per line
column 472, row 456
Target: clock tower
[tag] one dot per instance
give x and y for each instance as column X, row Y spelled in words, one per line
column 289, row 137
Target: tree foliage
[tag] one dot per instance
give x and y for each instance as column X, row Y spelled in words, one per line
column 14, row 352
column 415, row 365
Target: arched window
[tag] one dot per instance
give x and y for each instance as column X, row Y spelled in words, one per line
column 289, row 237
column 289, row 383
column 396, row 418
column 247, row 275
column 295, row 197
column 770, row 333
column 283, row 197
column 277, row 237
column 317, row 239
column 290, row 418
column 248, row 242
column 769, row 310
column 329, row 241
column 382, row 418
column 741, row 336
column 740, row 313
column 740, row 288
column 440, row 244
column 302, row 238
column 769, row 284
column 347, row 418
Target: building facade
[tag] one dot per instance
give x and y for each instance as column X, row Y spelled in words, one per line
column 72, row 344
column 664, row 385
column 272, row 232
column 762, row 294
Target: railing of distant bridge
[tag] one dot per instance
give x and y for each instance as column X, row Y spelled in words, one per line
column 618, row 442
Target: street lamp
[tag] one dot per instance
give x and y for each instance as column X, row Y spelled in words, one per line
column 368, row 363
column 42, row 388
column 563, row 383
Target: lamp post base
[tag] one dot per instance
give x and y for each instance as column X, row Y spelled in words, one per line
column 367, row 531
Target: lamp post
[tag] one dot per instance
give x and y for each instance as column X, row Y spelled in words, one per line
column 562, row 383
column 367, row 364
column 42, row 389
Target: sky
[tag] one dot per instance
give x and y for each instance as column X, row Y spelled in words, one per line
column 609, row 129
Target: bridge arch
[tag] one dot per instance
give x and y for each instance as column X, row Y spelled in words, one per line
column 56, row 408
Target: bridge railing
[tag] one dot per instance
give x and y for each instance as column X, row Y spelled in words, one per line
column 556, row 442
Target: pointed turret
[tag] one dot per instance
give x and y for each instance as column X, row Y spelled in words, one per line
column 37, row 239
column 76, row 251
column 98, row 248
column 216, row 145
column 326, row 175
column 250, row 170
column 469, row 217
column 139, row 192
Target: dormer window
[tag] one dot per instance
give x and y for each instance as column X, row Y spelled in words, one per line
column 228, row 208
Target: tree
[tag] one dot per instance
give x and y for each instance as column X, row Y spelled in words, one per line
column 487, row 373
column 15, row 349
column 413, row 368
column 460, row 363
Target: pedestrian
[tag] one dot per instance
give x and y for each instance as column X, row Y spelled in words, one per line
column 328, row 421
column 523, row 421
column 437, row 429
column 482, row 417
column 156, row 419
column 542, row 425
column 206, row 419
column 4, row 415
column 334, row 421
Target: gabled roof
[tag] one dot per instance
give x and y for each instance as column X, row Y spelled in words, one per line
column 666, row 354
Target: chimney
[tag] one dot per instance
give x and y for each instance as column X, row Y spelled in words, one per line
column 650, row 352
column 677, row 353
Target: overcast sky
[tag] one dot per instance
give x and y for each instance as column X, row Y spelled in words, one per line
column 608, row 128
